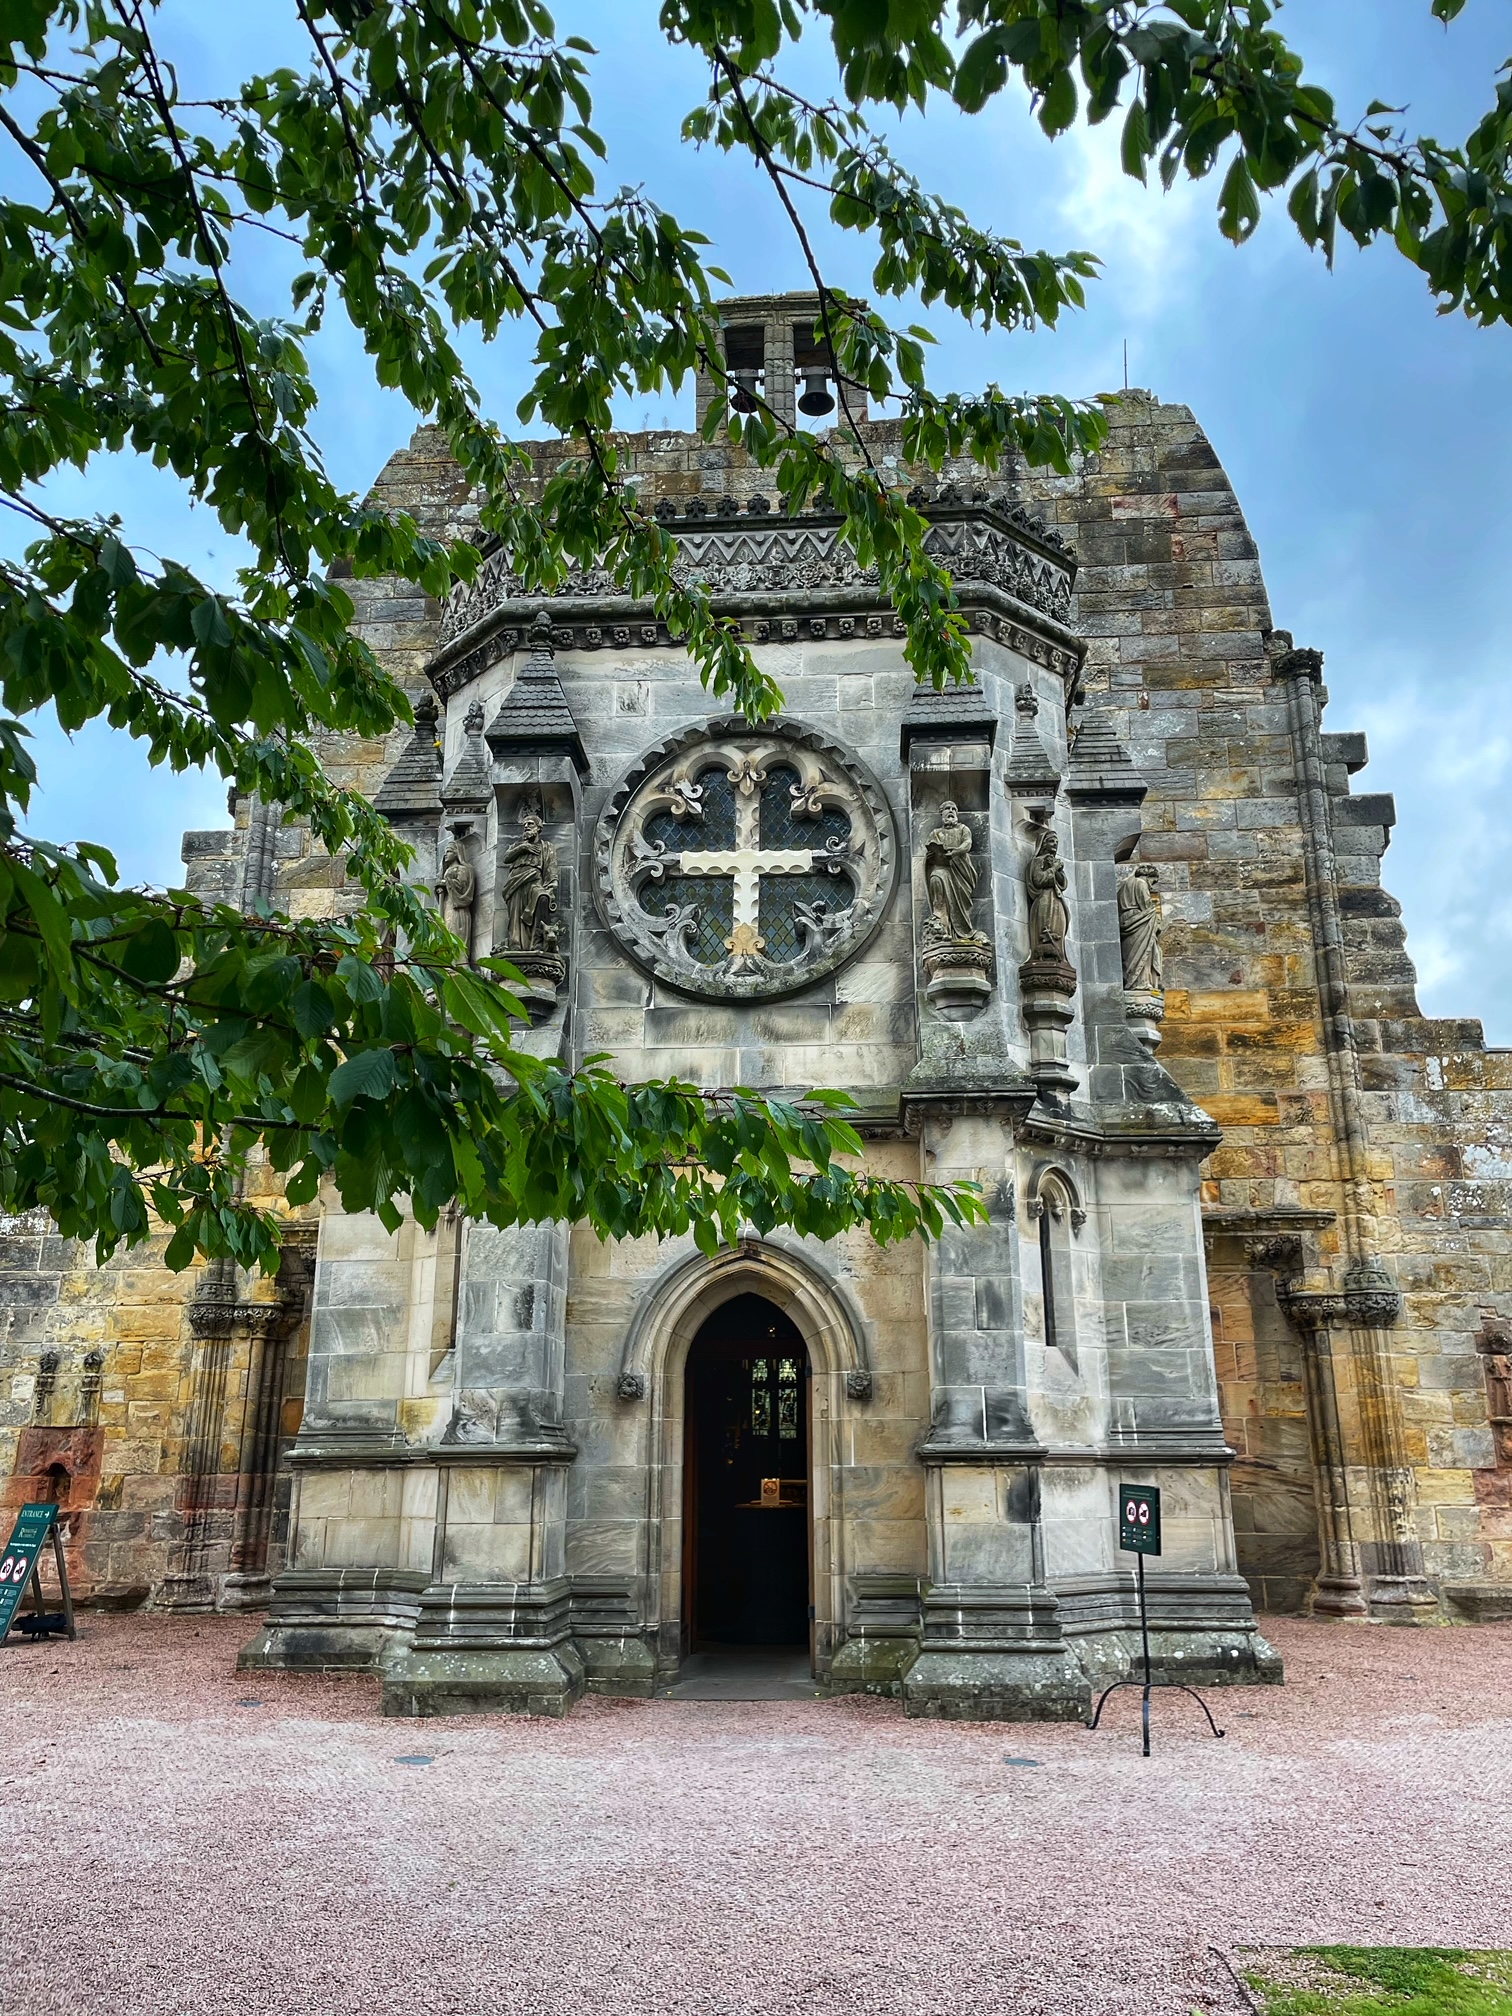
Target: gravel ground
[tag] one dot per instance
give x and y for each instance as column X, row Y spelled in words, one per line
column 171, row 1848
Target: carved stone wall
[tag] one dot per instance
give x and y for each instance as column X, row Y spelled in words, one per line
column 1171, row 603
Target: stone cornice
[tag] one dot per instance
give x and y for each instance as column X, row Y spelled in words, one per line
column 778, row 617
column 737, row 553
column 784, row 578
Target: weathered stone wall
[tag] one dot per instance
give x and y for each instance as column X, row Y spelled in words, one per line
column 1171, row 598
column 1170, row 595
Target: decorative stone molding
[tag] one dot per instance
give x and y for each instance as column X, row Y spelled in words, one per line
column 621, row 627
column 1054, row 1189
column 993, row 542
column 695, row 914
column 858, row 1385
column 630, row 1386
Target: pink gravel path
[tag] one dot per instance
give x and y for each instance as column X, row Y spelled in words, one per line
column 166, row 1851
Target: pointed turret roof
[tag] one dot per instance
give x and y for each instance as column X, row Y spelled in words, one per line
column 1030, row 766
column 1100, row 765
column 952, row 710
column 411, row 788
column 535, row 713
column 468, row 782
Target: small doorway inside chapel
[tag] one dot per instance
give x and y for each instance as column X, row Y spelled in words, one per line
column 747, row 1552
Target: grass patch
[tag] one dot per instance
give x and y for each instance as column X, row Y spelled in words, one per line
column 1379, row 1981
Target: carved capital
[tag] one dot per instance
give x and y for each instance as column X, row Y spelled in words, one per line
column 214, row 1319
column 1281, row 1252
column 1301, row 663
column 1371, row 1297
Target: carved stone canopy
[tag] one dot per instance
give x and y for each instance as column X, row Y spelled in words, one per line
column 740, row 863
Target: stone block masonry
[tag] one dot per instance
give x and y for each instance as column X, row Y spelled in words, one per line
column 1271, row 1270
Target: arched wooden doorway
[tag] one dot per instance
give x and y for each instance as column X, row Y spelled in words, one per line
column 747, row 1480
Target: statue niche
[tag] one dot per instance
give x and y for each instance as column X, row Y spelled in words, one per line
column 457, row 892
column 1139, row 934
column 1047, row 979
column 529, row 883
column 956, row 957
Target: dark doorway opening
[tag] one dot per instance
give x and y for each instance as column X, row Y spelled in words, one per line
column 746, row 1466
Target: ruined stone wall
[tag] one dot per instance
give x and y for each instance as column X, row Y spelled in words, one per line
column 1170, row 595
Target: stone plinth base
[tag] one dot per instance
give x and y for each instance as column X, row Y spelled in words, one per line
column 954, row 1684
column 489, row 1648
column 335, row 1620
column 606, row 1633
column 883, row 1638
column 523, row 1680
column 1482, row 1602
column 994, row 1654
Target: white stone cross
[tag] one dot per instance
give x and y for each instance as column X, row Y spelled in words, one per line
column 747, row 861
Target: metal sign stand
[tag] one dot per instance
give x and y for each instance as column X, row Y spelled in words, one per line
column 20, row 1569
column 1139, row 1534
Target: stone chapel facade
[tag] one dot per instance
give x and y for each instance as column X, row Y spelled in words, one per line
column 1103, row 931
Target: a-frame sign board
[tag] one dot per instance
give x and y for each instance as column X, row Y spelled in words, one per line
column 19, row 1565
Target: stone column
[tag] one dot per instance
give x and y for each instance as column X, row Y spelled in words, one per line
column 494, row 1624
column 1379, row 1476
column 992, row 1647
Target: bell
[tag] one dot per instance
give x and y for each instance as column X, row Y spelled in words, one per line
column 743, row 398
column 817, row 397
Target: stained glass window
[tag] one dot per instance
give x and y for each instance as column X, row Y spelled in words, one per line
column 715, row 897
column 761, row 1399
column 787, row 1399
column 716, row 826
column 783, row 825
column 777, row 914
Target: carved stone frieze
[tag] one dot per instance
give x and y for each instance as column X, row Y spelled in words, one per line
column 740, row 864
column 995, row 543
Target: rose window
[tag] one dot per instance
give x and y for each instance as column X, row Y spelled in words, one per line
column 743, row 863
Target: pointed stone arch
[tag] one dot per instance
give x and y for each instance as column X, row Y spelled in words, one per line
column 652, row 1368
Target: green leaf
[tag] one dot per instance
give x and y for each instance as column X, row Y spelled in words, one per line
column 151, row 954
column 369, row 1074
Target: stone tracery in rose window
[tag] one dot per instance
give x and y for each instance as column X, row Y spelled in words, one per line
column 745, row 864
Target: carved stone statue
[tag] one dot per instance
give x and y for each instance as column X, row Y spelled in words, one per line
column 1049, row 918
column 950, row 875
column 457, row 891
column 956, row 958
column 1139, row 931
column 529, row 893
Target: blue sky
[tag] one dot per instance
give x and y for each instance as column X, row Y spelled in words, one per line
column 1369, row 439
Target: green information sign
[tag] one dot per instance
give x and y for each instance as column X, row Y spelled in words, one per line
column 1139, row 1518
column 34, row 1524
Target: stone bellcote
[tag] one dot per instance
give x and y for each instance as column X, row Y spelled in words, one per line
column 774, row 351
